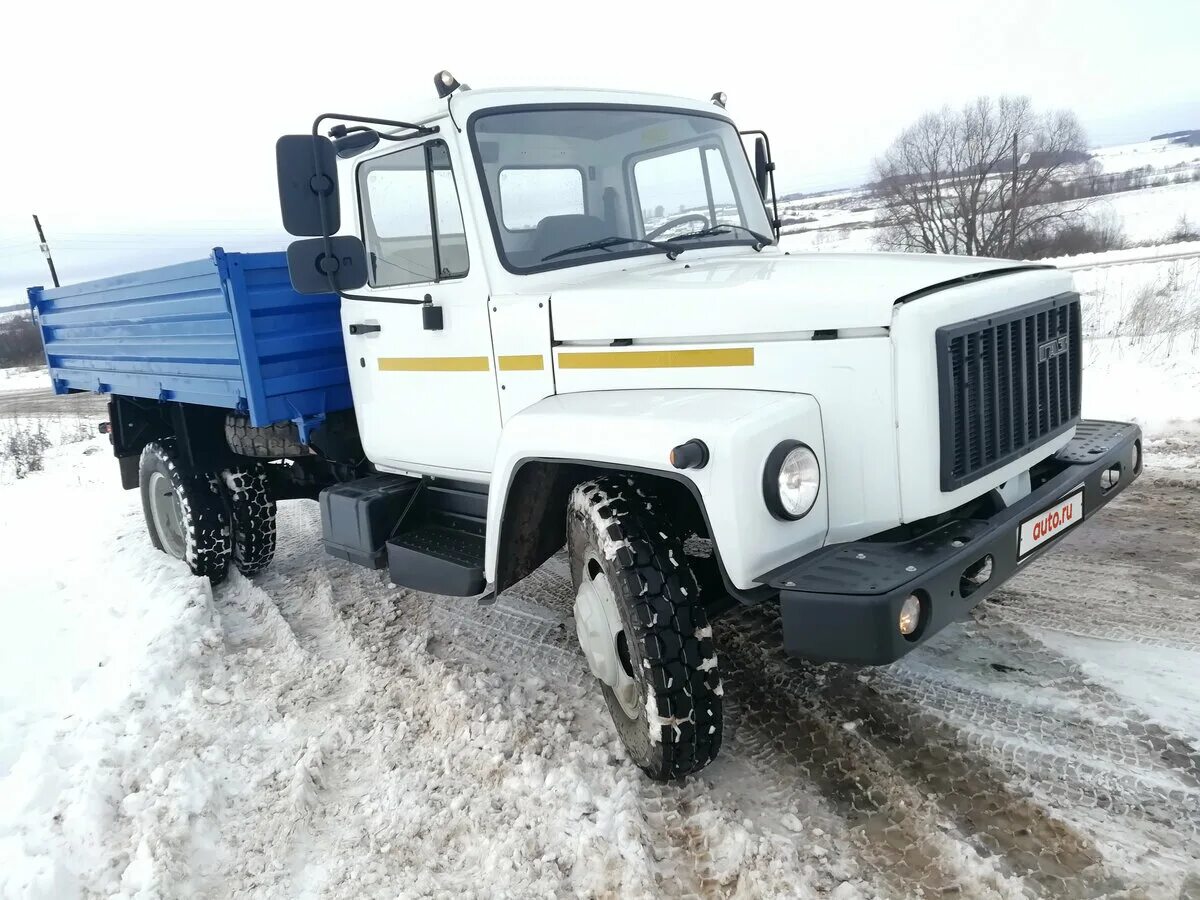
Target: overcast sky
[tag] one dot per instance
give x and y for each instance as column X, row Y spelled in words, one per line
column 145, row 133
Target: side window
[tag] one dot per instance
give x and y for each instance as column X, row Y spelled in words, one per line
column 529, row 195
column 412, row 221
column 693, row 183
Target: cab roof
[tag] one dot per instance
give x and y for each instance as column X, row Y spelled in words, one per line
column 463, row 103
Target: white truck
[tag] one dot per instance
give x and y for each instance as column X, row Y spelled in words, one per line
column 567, row 319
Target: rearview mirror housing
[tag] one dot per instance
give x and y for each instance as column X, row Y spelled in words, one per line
column 311, row 268
column 762, row 169
column 306, row 166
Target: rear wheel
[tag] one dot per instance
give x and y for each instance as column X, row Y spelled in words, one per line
column 643, row 627
column 184, row 512
column 252, row 514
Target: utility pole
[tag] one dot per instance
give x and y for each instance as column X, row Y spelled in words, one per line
column 1012, row 238
column 45, row 249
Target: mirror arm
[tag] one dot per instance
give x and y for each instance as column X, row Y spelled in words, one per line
column 415, row 131
column 775, row 224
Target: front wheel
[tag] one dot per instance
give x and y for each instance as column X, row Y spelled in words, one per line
column 643, row 628
column 184, row 512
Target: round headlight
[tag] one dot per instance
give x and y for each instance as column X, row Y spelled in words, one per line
column 791, row 480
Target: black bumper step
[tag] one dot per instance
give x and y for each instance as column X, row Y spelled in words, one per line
column 439, row 560
column 841, row 603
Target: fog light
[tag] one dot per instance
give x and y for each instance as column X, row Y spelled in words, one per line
column 1137, row 456
column 910, row 614
column 980, row 572
column 1109, row 477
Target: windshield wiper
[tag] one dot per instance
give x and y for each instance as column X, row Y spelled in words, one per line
column 606, row 242
column 759, row 240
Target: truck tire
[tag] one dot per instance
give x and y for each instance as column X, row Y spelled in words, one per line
column 278, row 441
column 643, row 627
column 252, row 515
column 184, row 511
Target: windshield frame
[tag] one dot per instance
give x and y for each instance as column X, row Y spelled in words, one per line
column 733, row 240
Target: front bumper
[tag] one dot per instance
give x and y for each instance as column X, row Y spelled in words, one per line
column 842, row 602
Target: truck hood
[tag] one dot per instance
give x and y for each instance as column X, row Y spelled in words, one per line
column 699, row 296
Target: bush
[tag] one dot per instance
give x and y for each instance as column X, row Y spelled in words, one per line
column 20, row 342
column 1184, row 230
column 23, row 446
column 1097, row 234
column 1162, row 312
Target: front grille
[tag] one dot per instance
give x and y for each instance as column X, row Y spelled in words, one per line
column 1006, row 384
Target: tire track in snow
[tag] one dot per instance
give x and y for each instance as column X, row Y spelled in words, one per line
column 938, row 784
column 512, row 632
column 906, row 779
column 1065, row 743
column 520, row 635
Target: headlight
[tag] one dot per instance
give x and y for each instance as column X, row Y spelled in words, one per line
column 791, row 480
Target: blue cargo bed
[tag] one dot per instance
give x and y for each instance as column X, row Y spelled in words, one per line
column 227, row 331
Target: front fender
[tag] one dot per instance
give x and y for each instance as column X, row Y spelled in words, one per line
column 636, row 430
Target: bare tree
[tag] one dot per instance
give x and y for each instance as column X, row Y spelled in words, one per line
column 947, row 181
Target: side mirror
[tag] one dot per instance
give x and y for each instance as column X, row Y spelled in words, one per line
column 314, row 271
column 308, row 185
column 762, row 168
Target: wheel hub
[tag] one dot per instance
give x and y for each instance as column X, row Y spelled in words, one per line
column 598, row 625
column 167, row 511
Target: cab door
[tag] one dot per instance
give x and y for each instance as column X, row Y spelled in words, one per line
column 422, row 373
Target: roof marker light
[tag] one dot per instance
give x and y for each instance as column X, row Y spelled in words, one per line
column 445, row 83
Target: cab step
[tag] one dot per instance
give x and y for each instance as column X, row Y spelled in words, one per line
column 428, row 533
column 438, row 559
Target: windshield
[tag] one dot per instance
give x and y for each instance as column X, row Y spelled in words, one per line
column 568, row 186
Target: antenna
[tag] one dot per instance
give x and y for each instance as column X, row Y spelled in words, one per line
column 45, row 249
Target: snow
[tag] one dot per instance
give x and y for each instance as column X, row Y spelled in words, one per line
column 24, row 378
column 1150, row 214
column 1142, row 338
column 1160, row 154
column 157, row 741
column 1158, row 389
column 1128, row 256
column 1164, row 681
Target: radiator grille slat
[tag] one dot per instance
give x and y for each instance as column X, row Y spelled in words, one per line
column 1007, row 383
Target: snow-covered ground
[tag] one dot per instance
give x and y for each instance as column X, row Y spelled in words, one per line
column 1159, row 155
column 315, row 732
column 24, row 378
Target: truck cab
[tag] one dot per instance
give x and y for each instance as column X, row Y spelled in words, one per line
column 568, row 320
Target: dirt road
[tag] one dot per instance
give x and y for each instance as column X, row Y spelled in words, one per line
column 42, row 401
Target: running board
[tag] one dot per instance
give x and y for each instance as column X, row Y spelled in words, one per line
column 438, row 559
column 429, row 533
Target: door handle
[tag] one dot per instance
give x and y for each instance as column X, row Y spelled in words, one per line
column 361, row 328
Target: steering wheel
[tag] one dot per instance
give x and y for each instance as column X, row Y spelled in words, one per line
column 690, row 217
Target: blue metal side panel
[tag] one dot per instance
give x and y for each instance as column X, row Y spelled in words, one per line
column 227, row 331
column 163, row 334
column 295, row 340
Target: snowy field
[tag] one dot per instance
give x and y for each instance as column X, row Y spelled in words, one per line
column 843, row 221
column 315, row 732
column 24, row 378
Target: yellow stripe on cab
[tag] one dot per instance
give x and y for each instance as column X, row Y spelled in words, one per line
column 657, row 359
column 433, row 364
